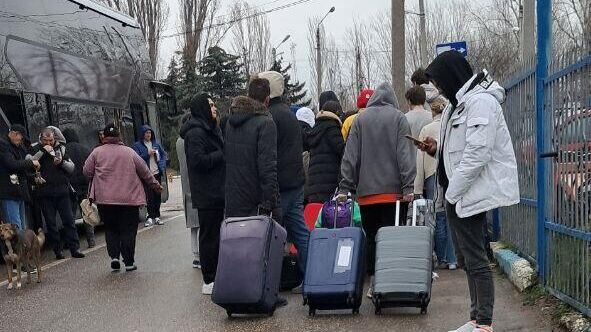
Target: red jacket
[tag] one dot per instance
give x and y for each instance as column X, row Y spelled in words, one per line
column 117, row 173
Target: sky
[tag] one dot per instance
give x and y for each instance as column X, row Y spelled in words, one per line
column 292, row 21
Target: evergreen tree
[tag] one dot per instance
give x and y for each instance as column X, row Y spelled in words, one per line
column 221, row 76
column 172, row 77
column 294, row 93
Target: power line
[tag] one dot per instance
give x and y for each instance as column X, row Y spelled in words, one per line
column 288, row 5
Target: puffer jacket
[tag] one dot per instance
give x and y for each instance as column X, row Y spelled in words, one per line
column 251, row 162
column 477, row 151
column 326, row 151
column 290, row 166
column 142, row 150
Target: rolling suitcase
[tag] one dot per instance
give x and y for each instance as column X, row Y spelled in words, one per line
column 404, row 265
column 335, row 269
column 249, row 265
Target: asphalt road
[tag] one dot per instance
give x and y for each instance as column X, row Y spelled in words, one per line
column 164, row 295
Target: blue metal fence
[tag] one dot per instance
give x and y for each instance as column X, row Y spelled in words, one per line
column 548, row 112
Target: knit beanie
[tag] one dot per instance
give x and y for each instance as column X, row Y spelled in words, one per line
column 276, row 83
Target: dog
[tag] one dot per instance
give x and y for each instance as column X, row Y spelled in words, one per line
column 21, row 247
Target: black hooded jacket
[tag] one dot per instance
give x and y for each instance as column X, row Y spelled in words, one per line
column 449, row 71
column 78, row 153
column 290, row 166
column 204, row 149
column 326, row 151
column 251, row 159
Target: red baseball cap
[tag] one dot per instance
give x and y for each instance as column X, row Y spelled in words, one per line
column 363, row 98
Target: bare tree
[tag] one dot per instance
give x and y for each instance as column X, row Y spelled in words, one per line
column 572, row 21
column 151, row 16
column 251, row 38
column 194, row 14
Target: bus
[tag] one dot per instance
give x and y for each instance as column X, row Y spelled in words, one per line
column 77, row 64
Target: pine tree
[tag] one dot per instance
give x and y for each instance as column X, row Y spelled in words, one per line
column 294, row 93
column 221, row 76
column 173, row 73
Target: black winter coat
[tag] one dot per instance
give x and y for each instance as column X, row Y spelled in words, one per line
column 204, row 148
column 326, row 151
column 56, row 177
column 78, row 153
column 12, row 161
column 290, row 167
column 251, row 163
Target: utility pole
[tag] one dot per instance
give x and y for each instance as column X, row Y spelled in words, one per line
column 527, row 32
column 319, row 56
column 318, row 65
column 358, row 74
column 423, row 34
column 398, row 49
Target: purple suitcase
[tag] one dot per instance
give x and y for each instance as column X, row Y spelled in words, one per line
column 249, row 265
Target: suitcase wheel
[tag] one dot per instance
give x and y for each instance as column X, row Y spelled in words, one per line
column 356, row 311
column 423, row 310
column 312, row 312
column 229, row 313
column 271, row 313
column 378, row 304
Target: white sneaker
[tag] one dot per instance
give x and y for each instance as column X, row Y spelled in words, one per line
column 369, row 293
column 149, row 223
column 453, row 267
column 207, row 289
column 159, row 222
column 468, row 327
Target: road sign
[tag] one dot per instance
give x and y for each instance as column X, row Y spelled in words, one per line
column 457, row 46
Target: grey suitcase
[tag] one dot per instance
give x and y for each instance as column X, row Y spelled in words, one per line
column 404, row 265
column 249, row 265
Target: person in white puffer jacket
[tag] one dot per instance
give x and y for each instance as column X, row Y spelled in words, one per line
column 476, row 168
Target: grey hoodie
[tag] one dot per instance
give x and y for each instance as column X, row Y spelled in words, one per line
column 378, row 158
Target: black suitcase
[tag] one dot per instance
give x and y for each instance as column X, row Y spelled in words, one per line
column 249, row 265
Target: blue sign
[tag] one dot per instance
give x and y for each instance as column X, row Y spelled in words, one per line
column 461, row 47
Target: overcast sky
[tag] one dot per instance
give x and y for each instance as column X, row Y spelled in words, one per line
column 292, row 21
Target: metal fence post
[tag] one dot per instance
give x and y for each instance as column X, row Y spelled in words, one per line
column 544, row 13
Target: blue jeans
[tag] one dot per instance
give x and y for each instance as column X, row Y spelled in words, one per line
column 444, row 248
column 292, row 206
column 14, row 211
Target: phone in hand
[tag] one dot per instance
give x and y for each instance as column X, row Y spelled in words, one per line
column 415, row 140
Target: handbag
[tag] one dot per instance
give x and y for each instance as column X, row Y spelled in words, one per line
column 90, row 213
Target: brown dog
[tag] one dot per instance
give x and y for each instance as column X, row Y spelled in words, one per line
column 18, row 248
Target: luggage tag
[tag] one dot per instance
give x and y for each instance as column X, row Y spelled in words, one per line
column 344, row 256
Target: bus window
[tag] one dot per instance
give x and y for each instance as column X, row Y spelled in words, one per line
column 37, row 116
column 4, row 124
column 86, row 120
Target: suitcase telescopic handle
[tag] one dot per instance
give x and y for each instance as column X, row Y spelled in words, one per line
column 397, row 222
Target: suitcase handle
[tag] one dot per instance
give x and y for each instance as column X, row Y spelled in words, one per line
column 414, row 214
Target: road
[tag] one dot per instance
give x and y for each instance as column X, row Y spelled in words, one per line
column 164, row 295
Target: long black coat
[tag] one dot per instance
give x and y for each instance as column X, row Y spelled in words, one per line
column 251, row 163
column 204, row 148
column 290, row 166
column 12, row 161
column 326, row 151
column 78, row 153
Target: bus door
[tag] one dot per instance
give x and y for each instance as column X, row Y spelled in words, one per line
column 154, row 121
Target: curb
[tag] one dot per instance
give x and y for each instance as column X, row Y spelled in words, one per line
column 518, row 270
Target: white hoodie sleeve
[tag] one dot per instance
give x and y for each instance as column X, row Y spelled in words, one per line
column 482, row 112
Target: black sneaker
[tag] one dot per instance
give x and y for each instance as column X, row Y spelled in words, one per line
column 78, row 254
column 59, row 256
column 281, row 302
column 130, row 268
column 115, row 265
column 196, row 264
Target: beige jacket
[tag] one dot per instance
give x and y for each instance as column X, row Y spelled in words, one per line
column 426, row 165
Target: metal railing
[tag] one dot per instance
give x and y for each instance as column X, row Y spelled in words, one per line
column 564, row 251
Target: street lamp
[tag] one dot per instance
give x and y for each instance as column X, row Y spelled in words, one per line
column 319, row 55
column 274, row 49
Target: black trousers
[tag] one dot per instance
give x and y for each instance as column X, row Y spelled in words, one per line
column 121, row 224
column 154, row 200
column 468, row 235
column 50, row 206
column 210, row 221
column 374, row 217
